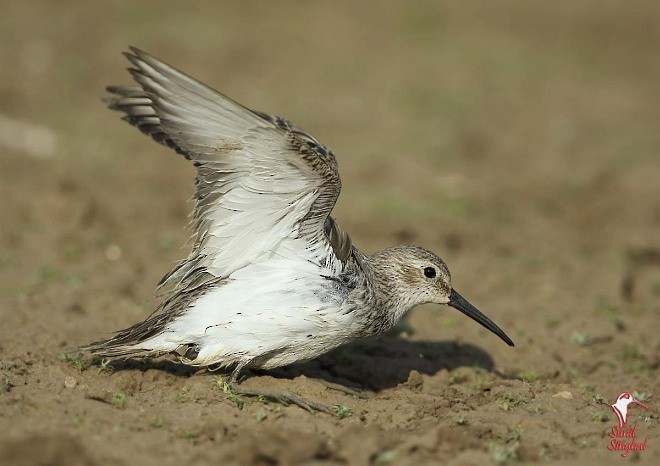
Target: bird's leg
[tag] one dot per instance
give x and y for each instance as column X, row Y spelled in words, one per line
column 231, row 380
column 283, row 398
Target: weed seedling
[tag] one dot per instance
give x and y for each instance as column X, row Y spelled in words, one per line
column 530, row 376
column 511, row 400
column 229, row 394
column 385, row 457
column 157, row 423
column 505, row 448
column 456, row 377
column 78, row 361
column 7, row 383
column 119, row 399
column 342, row 412
column 580, row 339
column 79, row 419
column 181, row 396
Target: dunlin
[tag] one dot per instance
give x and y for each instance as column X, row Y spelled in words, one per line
column 271, row 279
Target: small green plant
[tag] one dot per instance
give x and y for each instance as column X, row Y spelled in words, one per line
column 190, row 434
column 580, row 339
column 119, row 399
column 385, row 457
column 261, row 414
column 505, row 448
column 461, row 421
column 7, row 365
column 503, row 453
column 598, row 399
column 180, row 397
column 457, row 377
column 342, row 412
column 78, row 361
column 157, row 423
column 229, row 394
column 529, row 376
column 79, row 419
column 7, row 383
column 512, row 436
column 511, row 400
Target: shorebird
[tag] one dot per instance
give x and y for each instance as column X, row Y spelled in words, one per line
column 620, row 407
column 271, row 278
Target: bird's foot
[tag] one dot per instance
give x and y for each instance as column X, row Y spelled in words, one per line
column 283, row 398
column 231, row 388
column 343, row 389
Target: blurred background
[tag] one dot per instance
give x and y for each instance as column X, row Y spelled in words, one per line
column 519, row 140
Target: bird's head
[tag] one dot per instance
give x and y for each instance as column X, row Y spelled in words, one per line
column 411, row 275
column 626, row 399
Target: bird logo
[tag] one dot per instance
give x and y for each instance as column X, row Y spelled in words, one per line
column 620, row 407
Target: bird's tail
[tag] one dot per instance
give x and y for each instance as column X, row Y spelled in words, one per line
column 133, row 341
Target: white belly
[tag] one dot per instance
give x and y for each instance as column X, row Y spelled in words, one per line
column 270, row 314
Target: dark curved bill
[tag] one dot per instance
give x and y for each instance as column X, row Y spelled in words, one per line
column 458, row 302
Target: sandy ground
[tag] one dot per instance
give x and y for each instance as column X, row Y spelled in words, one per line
column 519, row 140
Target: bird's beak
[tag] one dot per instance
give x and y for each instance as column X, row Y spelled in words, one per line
column 636, row 401
column 458, row 302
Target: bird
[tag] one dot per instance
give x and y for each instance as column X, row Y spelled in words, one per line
column 271, row 278
column 620, row 407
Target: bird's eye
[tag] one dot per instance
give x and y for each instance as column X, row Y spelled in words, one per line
column 429, row 272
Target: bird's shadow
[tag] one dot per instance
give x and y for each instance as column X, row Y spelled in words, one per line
column 373, row 364
column 385, row 362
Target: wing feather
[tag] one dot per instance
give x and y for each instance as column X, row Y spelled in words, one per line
column 260, row 179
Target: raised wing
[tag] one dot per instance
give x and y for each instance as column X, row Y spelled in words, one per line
column 260, row 179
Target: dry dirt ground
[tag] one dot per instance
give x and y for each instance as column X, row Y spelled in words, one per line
column 519, row 140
